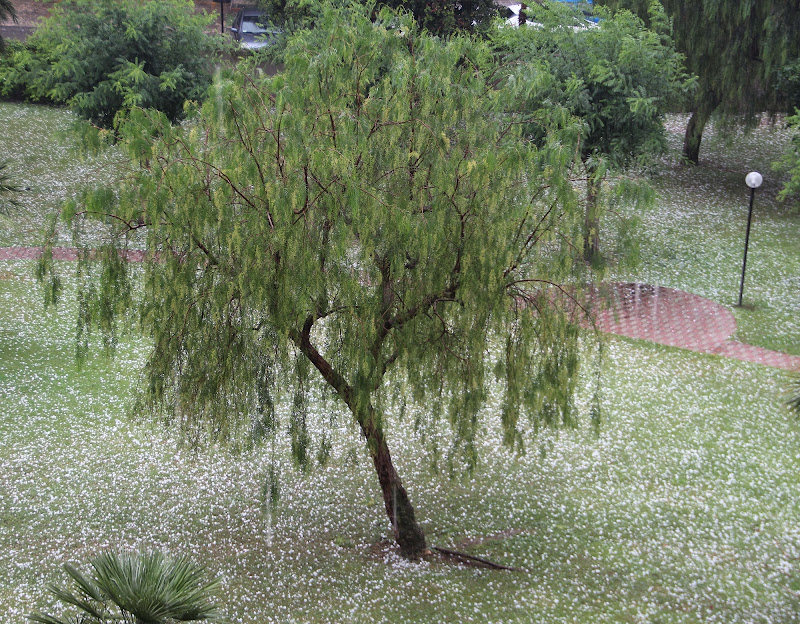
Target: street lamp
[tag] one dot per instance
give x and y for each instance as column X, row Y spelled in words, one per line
column 222, row 3
column 753, row 180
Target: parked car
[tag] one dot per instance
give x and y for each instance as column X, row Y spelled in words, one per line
column 252, row 29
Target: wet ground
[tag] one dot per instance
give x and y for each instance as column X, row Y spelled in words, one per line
column 663, row 315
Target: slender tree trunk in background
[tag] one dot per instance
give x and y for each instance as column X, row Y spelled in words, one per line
column 591, row 239
column 407, row 532
column 694, row 132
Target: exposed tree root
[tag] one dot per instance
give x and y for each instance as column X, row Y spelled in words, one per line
column 474, row 560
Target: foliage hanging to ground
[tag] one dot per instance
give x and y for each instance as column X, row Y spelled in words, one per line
column 374, row 214
column 103, row 57
column 8, row 188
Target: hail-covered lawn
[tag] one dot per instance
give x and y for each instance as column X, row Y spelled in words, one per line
column 683, row 509
column 694, row 237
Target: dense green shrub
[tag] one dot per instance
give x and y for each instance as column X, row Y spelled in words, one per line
column 790, row 164
column 104, row 56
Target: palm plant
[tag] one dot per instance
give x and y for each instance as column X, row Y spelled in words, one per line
column 151, row 588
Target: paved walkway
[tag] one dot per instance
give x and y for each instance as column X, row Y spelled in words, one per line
column 678, row 319
column 663, row 315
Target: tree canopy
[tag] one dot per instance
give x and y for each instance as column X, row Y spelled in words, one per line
column 737, row 48
column 373, row 218
column 618, row 78
column 105, row 56
column 438, row 17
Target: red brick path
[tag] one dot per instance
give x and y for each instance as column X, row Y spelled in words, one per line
column 663, row 315
column 678, row 319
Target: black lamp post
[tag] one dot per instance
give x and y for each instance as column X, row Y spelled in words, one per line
column 753, row 180
column 222, row 4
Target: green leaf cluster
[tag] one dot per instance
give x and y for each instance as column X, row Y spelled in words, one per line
column 149, row 588
column 439, row 17
column 102, row 57
column 790, row 162
column 618, row 77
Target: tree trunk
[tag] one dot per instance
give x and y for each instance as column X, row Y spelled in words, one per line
column 407, row 532
column 694, row 133
column 591, row 240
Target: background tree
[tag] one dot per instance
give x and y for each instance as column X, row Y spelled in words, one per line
column 737, row 49
column 440, row 17
column 371, row 218
column 618, row 78
column 7, row 12
column 105, row 56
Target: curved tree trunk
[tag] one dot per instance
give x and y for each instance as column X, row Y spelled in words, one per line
column 694, row 132
column 407, row 532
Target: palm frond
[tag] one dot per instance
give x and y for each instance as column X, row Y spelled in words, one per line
column 151, row 587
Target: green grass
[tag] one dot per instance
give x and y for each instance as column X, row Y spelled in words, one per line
column 684, row 509
column 46, row 164
column 693, row 238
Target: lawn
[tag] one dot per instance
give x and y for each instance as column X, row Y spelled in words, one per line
column 683, row 509
column 693, row 238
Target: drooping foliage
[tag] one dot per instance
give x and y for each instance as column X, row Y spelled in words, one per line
column 373, row 218
column 153, row 587
column 737, row 48
column 618, row 77
column 790, row 163
column 794, row 396
column 102, row 57
column 8, row 188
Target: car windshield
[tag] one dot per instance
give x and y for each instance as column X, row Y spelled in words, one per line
column 254, row 25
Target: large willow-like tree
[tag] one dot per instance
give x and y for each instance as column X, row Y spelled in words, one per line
column 372, row 217
column 737, row 48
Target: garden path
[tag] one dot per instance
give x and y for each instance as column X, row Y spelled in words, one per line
column 678, row 319
column 663, row 315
